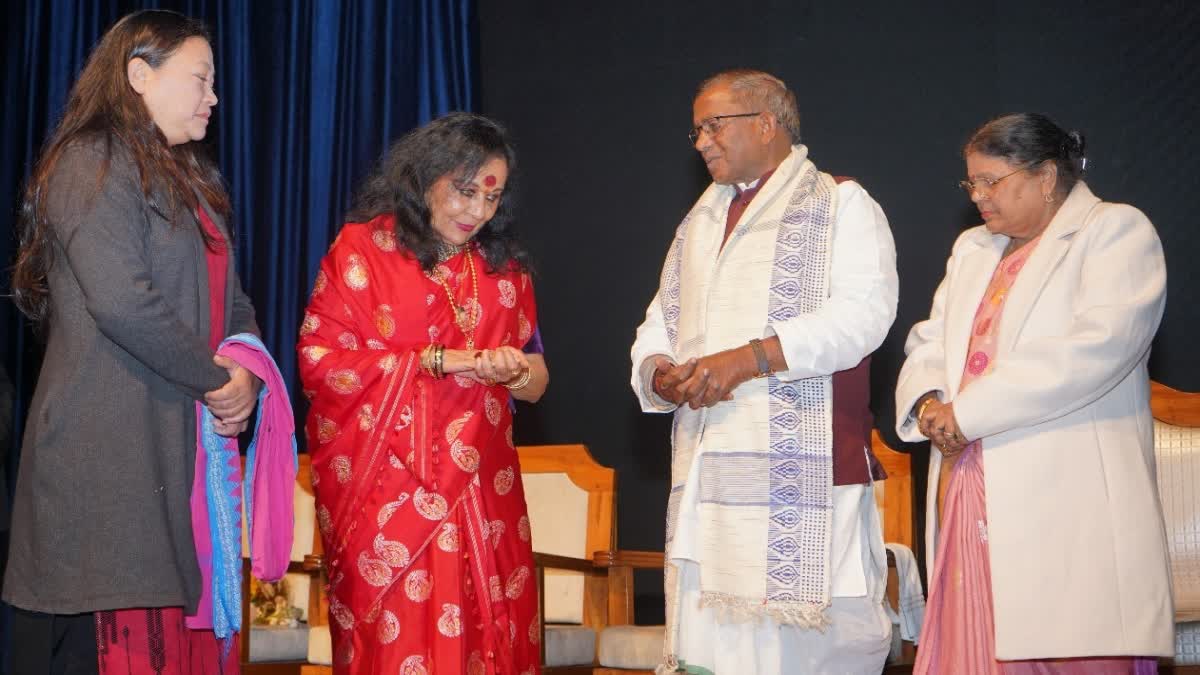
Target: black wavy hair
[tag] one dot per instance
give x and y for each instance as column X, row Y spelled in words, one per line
column 456, row 144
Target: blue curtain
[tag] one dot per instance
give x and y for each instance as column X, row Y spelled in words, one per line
column 311, row 93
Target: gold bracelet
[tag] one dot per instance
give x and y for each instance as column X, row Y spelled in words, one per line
column 439, row 362
column 427, row 359
column 522, row 380
column 923, row 406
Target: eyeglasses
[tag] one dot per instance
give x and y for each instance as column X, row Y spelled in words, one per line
column 984, row 186
column 712, row 126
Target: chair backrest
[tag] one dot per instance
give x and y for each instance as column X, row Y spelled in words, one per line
column 1177, row 450
column 572, row 511
column 894, row 496
column 306, row 539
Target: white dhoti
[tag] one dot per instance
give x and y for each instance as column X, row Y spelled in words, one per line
column 858, row 638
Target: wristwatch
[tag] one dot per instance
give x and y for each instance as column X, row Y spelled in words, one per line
column 760, row 357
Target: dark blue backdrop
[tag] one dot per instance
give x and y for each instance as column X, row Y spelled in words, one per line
column 311, row 92
column 310, row 95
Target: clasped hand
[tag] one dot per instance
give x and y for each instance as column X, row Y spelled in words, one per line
column 702, row 382
column 487, row 366
column 940, row 427
column 233, row 403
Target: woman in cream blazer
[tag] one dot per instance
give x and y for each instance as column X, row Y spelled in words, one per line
column 1073, row 530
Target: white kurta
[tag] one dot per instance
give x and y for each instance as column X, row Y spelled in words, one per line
column 1075, row 529
column 724, row 299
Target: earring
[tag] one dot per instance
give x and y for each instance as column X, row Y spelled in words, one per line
column 1049, row 198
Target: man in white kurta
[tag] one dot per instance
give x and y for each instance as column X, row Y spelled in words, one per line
column 779, row 279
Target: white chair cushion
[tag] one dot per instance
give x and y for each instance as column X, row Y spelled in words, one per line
column 1178, row 454
column 565, row 646
column 1187, row 643
column 278, row 643
column 297, row 592
column 633, row 647
column 558, row 511
column 304, row 525
column 320, row 646
column 570, row 646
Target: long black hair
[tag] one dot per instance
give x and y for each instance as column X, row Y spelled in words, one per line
column 102, row 106
column 1029, row 138
column 455, row 145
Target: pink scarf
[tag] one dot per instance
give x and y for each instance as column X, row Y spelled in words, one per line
column 268, row 489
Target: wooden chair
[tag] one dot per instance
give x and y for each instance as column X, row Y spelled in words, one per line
column 307, row 593
column 571, row 501
column 1177, row 450
column 894, row 499
column 607, row 574
column 585, row 585
column 319, row 640
column 894, row 496
column 622, row 639
column 584, row 566
column 566, row 475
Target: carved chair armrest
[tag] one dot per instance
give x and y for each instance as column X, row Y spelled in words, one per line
column 313, row 564
column 633, row 559
column 596, row 586
column 562, row 562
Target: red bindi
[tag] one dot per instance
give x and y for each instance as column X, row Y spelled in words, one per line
column 489, row 180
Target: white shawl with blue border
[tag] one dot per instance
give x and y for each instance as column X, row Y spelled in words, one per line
column 765, row 482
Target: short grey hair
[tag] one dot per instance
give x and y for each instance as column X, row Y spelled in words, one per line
column 762, row 91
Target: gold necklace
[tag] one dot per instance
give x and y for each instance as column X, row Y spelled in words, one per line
column 462, row 318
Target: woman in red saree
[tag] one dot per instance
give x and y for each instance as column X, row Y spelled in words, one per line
column 409, row 351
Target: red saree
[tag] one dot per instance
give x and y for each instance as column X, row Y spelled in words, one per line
column 418, row 488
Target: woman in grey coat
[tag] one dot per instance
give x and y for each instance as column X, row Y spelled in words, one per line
column 123, row 257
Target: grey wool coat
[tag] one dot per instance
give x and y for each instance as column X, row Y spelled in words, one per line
column 101, row 517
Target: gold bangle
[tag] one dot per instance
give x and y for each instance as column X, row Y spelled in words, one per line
column 439, row 362
column 522, row 380
column 427, row 359
column 923, row 406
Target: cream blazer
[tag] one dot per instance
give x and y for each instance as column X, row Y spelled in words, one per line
column 1075, row 529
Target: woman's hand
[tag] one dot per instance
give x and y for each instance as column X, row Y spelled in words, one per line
column 502, row 364
column 459, row 362
column 488, row 366
column 939, row 426
column 234, row 402
column 229, row 429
